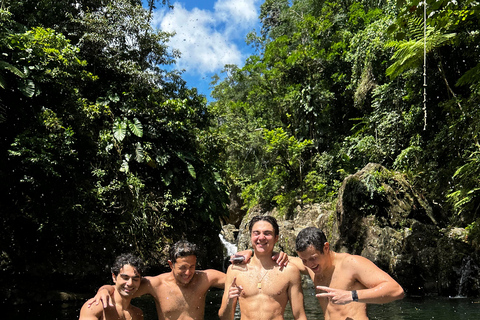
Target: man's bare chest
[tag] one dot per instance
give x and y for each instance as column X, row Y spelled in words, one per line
column 336, row 281
column 175, row 298
column 272, row 284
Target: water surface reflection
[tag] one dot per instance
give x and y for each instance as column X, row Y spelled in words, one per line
column 437, row 308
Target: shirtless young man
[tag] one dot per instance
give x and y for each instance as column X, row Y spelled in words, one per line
column 180, row 294
column 260, row 287
column 126, row 273
column 348, row 282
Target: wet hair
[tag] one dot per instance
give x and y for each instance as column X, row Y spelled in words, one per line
column 182, row 248
column 310, row 236
column 128, row 259
column 268, row 219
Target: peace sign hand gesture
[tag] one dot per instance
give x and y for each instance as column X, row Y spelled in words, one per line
column 335, row 296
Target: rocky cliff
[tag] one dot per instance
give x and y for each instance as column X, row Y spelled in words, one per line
column 380, row 215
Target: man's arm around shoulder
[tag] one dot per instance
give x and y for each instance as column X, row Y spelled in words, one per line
column 215, row 278
column 147, row 286
column 105, row 292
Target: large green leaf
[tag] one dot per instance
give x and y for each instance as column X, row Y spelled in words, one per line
column 136, row 127
column 119, row 130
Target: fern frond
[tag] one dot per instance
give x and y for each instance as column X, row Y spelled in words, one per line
column 409, row 53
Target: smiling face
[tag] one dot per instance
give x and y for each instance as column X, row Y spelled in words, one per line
column 315, row 260
column 183, row 269
column 127, row 281
column 263, row 237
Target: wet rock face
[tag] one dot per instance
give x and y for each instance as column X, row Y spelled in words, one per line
column 380, row 216
column 376, row 191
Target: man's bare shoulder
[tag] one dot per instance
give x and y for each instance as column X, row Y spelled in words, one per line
column 350, row 264
column 95, row 311
column 157, row 280
column 351, row 261
column 291, row 270
column 297, row 262
column 235, row 270
column 241, row 268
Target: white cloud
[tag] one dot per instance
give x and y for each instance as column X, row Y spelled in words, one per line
column 209, row 39
column 241, row 12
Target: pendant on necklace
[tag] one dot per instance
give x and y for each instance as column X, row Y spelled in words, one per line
column 259, row 285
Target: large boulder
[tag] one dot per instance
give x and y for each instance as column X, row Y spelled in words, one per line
column 383, row 218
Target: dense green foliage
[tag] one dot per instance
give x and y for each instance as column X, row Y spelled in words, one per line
column 102, row 150
column 344, row 80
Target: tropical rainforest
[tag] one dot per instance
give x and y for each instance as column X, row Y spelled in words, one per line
column 106, row 149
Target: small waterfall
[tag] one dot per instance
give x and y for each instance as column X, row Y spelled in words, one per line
column 228, row 250
column 464, row 275
column 468, row 275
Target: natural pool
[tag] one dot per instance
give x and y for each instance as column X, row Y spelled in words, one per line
column 410, row 308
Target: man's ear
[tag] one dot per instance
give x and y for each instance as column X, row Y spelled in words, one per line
column 114, row 277
column 326, row 247
column 170, row 263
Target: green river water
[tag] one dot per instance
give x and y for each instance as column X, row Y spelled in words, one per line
column 410, row 308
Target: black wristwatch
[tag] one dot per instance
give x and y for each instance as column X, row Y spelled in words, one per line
column 354, row 296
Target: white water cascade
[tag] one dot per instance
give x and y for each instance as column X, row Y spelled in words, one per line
column 229, row 248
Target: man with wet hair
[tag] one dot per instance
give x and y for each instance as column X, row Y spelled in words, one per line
column 261, row 287
column 127, row 271
column 182, row 248
column 346, row 283
column 179, row 294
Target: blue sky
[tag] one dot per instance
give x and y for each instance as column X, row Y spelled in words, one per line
column 209, row 34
